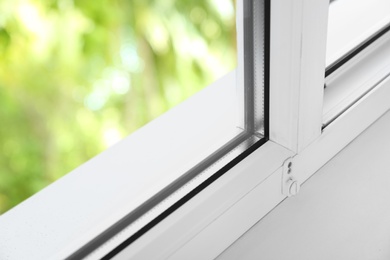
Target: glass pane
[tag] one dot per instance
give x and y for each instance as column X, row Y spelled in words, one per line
column 77, row 76
column 352, row 23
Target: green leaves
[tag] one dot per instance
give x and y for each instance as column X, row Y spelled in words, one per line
column 76, row 76
column 5, row 40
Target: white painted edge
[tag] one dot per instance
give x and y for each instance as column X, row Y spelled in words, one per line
column 285, row 34
column 312, row 79
column 298, row 46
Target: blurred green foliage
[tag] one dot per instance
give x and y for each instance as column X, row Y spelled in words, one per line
column 78, row 75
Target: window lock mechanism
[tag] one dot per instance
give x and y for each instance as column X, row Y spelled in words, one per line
column 290, row 185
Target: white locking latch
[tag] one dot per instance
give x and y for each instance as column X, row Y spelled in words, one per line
column 290, row 185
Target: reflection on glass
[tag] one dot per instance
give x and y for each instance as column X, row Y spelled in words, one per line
column 77, row 76
column 351, row 28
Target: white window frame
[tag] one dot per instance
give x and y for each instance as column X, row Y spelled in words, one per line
column 212, row 220
column 207, row 225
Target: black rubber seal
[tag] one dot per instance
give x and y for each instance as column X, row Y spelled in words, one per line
column 267, row 54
